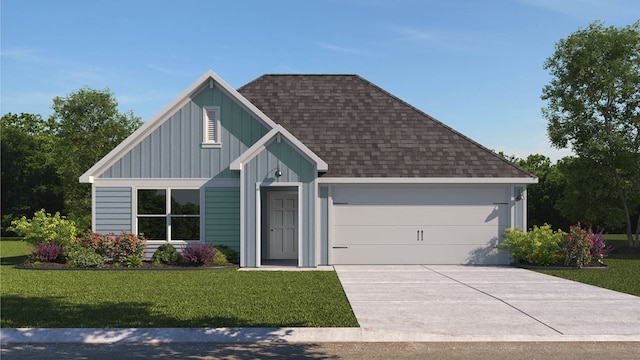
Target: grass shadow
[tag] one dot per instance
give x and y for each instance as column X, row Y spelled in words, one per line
column 13, row 260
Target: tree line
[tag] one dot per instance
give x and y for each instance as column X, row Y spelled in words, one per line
column 593, row 108
column 42, row 159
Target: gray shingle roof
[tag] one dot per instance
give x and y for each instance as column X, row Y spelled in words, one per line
column 360, row 130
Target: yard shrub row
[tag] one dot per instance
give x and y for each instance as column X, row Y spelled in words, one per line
column 543, row 246
column 55, row 241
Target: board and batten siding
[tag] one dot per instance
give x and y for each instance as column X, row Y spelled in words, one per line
column 222, row 219
column 296, row 168
column 174, row 149
column 113, row 209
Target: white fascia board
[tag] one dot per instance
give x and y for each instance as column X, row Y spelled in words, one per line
column 261, row 144
column 363, row 180
column 156, row 182
column 157, row 120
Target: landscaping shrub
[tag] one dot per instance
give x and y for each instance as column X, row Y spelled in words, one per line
column 539, row 246
column 576, row 246
column 51, row 252
column 198, row 254
column 166, row 254
column 229, row 253
column 120, row 248
column 79, row 255
column 125, row 246
column 46, row 228
column 599, row 249
column 219, row 258
column 134, row 262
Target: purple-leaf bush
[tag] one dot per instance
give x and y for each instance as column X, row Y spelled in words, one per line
column 599, row 249
column 47, row 252
column 198, row 254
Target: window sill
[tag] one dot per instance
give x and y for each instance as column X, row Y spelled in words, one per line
column 211, row 145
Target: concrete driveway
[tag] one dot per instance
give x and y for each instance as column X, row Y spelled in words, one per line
column 486, row 302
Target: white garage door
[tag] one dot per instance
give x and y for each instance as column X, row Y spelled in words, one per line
column 418, row 225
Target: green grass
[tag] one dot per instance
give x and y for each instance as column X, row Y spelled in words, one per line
column 622, row 275
column 188, row 298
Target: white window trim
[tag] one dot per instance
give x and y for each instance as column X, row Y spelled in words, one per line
column 206, row 142
column 167, row 214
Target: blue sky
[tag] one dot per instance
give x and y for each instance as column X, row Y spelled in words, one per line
column 475, row 65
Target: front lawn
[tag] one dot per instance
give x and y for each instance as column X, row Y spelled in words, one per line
column 622, row 275
column 149, row 298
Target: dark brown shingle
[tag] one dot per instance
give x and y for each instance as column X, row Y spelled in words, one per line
column 361, row 130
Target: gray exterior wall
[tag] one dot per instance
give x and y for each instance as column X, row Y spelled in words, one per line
column 113, row 209
column 174, row 149
column 295, row 168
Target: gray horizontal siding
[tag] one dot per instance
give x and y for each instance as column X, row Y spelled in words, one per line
column 113, row 209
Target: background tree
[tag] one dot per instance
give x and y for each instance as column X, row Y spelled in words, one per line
column 594, row 108
column 87, row 126
column 543, row 196
column 29, row 178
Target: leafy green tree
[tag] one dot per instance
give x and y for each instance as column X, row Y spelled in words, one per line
column 594, row 108
column 29, row 178
column 543, row 196
column 88, row 126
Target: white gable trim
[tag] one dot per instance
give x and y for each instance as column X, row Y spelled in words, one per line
column 261, row 144
column 206, row 80
column 390, row 180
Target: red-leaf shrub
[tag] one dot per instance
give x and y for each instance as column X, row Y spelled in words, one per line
column 576, row 246
column 198, row 254
column 120, row 248
column 51, row 252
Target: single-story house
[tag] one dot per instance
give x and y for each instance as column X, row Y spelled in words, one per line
column 315, row 169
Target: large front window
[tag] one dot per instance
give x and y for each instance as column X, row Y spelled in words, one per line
column 169, row 214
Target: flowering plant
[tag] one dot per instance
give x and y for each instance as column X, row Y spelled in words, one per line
column 120, row 248
column 576, row 246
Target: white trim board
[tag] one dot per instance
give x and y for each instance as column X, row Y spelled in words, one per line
column 422, row 180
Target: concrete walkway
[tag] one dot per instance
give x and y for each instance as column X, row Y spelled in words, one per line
column 416, row 303
column 486, row 303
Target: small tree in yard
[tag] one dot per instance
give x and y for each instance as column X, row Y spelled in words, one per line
column 594, row 109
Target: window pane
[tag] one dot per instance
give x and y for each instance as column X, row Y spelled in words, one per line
column 152, row 202
column 153, row 228
column 185, row 228
column 185, row 202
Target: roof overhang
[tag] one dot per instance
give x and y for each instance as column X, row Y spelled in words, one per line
column 423, row 180
column 261, row 145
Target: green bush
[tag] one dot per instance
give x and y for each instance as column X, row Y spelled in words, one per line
column 539, row 246
column 81, row 256
column 165, row 254
column 219, row 258
column 134, row 262
column 229, row 253
column 45, row 228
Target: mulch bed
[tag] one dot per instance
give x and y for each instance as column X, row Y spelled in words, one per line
column 595, row 265
column 146, row 265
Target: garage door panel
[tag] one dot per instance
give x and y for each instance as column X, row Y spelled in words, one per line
column 410, row 235
column 417, row 254
column 418, row 196
column 417, row 215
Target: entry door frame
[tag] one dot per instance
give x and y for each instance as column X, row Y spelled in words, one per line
column 266, row 186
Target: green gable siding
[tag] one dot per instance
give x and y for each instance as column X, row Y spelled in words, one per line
column 222, row 216
column 174, row 150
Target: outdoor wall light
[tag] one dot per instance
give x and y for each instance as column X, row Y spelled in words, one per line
column 278, row 172
column 520, row 195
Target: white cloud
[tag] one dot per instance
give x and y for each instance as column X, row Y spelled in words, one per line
column 342, row 49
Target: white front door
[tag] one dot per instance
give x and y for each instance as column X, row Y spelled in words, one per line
column 283, row 225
